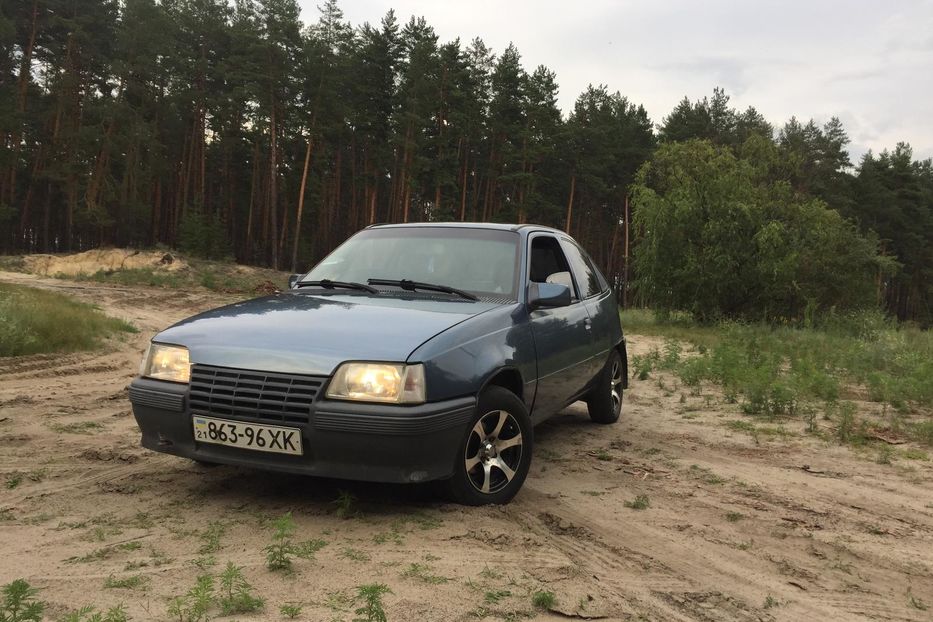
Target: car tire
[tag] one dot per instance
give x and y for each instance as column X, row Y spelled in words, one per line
column 494, row 456
column 605, row 400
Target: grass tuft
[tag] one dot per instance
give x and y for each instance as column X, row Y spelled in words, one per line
column 641, row 502
column 543, row 599
column 131, row 582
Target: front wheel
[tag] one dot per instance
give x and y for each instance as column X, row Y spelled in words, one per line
column 495, row 453
column 605, row 400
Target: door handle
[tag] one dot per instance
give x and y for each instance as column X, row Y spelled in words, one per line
column 588, row 324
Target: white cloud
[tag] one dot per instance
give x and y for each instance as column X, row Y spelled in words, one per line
column 870, row 63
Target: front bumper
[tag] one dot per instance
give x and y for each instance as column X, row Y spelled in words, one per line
column 347, row 440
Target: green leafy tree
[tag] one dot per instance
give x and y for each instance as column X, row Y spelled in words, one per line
column 717, row 240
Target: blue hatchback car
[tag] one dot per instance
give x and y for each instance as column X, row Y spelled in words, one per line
column 411, row 353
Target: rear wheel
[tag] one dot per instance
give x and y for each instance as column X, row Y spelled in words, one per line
column 495, row 453
column 605, row 400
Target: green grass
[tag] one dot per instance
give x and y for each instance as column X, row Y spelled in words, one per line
column 775, row 371
column 290, row 610
column 675, row 326
column 134, row 277
column 354, row 554
column 494, row 596
column 130, row 582
column 33, row 321
column 424, row 573
column 78, row 427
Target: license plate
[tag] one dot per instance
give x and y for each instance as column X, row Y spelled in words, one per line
column 256, row 436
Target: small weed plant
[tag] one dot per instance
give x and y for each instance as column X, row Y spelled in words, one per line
column 210, row 537
column 236, row 595
column 195, row 604
column 346, row 505
column 279, row 554
column 424, row 573
column 90, row 613
column 290, row 610
column 20, row 604
column 371, row 608
column 641, row 502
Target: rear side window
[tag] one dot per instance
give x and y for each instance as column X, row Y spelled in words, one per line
column 586, row 275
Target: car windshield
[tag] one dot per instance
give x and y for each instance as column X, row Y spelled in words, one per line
column 480, row 261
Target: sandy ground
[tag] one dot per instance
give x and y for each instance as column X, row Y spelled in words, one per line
column 108, row 259
column 788, row 529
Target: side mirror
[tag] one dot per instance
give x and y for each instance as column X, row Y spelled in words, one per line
column 293, row 280
column 548, row 295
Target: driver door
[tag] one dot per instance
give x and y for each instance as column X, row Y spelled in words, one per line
column 562, row 335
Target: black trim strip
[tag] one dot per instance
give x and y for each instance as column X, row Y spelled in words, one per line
column 392, row 425
column 174, row 402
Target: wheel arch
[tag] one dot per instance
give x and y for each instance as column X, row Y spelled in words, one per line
column 621, row 348
column 509, row 378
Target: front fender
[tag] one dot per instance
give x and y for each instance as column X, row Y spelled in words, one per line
column 460, row 361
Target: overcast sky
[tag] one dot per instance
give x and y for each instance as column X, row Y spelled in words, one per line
column 868, row 62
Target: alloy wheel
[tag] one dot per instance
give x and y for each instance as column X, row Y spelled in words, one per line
column 493, row 451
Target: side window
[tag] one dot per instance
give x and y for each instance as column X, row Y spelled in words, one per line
column 583, row 269
column 548, row 264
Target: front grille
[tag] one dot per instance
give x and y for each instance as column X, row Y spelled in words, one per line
column 239, row 393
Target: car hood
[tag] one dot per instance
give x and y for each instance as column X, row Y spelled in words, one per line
column 305, row 333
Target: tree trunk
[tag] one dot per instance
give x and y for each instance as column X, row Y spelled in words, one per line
column 252, row 201
column 626, row 271
column 273, row 188
column 301, row 204
column 573, row 187
column 25, row 71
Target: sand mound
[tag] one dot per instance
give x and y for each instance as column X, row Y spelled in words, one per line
column 108, row 260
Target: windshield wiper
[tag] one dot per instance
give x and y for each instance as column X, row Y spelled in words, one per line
column 413, row 285
column 328, row 284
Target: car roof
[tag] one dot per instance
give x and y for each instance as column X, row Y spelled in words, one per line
column 467, row 225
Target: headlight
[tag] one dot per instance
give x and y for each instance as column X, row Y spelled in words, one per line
column 164, row 362
column 378, row 382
